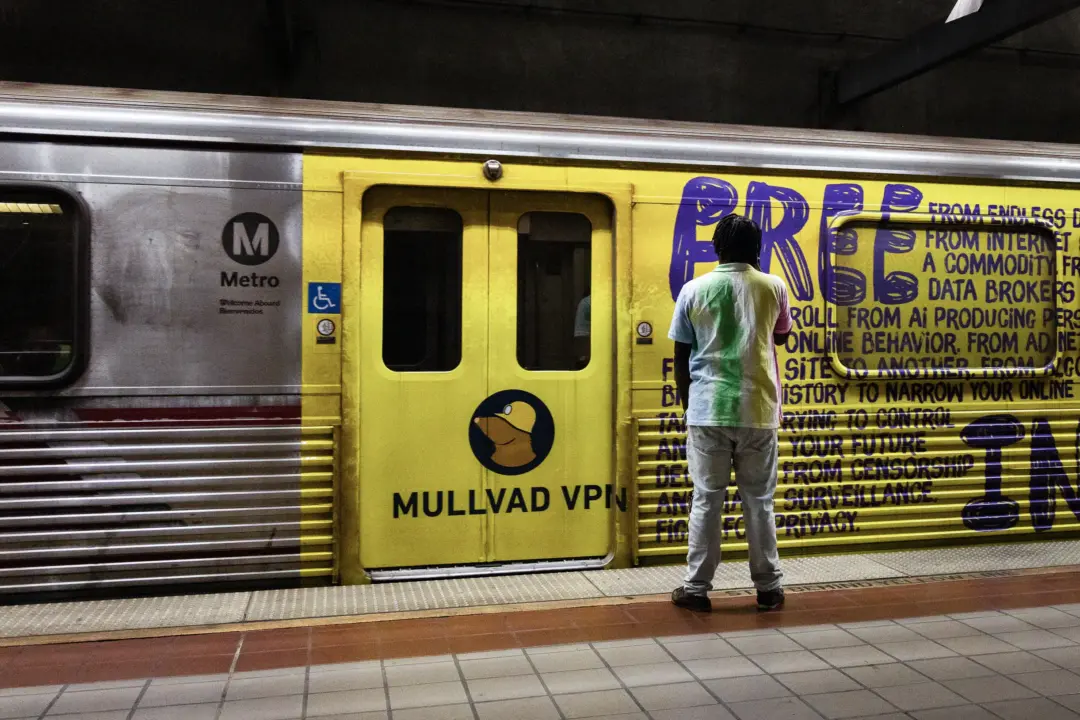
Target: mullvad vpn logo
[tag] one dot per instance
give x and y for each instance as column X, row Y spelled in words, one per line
column 511, row 432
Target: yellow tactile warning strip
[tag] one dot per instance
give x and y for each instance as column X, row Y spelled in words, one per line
column 143, row 617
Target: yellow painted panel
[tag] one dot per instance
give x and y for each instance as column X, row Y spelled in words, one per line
column 321, row 362
column 413, row 450
column 931, row 294
column 909, row 428
column 574, row 483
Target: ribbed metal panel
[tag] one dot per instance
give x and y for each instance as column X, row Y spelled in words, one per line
column 94, row 508
column 838, row 502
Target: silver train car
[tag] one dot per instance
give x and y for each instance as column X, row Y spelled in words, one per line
column 172, row 416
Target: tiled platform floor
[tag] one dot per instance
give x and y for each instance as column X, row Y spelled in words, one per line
column 1005, row 648
column 1015, row 665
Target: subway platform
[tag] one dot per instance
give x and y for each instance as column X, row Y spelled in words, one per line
column 985, row 632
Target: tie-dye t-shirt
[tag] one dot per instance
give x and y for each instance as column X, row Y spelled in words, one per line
column 728, row 318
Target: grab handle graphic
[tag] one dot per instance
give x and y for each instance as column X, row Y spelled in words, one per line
column 992, row 511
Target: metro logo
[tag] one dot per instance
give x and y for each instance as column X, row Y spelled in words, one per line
column 250, row 238
column 243, row 245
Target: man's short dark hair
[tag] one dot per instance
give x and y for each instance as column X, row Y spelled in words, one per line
column 737, row 239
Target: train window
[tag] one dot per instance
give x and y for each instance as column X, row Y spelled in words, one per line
column 919, row 298
column 554, row 301
column 42, row 288
column 422, row 289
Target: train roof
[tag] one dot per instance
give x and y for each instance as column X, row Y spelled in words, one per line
column 64, row 111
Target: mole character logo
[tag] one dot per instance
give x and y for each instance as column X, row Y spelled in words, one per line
column 511, row 432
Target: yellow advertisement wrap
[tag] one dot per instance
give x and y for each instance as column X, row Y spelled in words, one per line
column 928, row 383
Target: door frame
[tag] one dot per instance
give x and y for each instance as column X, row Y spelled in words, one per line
column 470, row 176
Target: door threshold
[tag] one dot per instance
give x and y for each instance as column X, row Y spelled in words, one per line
column 488, row 569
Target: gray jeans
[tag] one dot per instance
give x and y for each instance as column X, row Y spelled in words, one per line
column 709, row 453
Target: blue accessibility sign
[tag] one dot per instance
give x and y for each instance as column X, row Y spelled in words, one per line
column 324, row 298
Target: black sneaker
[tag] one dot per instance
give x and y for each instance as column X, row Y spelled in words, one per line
column 770, row 600
column 697, row 603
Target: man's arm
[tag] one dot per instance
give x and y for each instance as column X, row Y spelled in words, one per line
column 783, row 320
column 682, row 372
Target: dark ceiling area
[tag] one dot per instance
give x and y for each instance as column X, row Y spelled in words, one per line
column 1008, row 71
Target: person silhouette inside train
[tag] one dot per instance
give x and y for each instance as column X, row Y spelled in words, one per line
column 582, row 331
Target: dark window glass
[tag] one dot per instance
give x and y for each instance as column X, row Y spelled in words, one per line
column 956, row 299
column 421, row 289
column 554, row 301
column 40, row 286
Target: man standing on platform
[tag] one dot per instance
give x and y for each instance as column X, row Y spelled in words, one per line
column 726, row 326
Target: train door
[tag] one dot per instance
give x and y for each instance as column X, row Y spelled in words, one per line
column 486, row 419
column 550, row 350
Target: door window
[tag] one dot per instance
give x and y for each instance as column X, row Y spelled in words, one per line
column 554, row 270
column 422, row 289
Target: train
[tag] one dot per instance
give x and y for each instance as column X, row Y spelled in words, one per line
column 249, row 341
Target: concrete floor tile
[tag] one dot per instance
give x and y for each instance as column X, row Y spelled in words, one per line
column 853, row 704
column 634, row 655
column 921, row 696
column 495, row 667
column 977, row 645
column 505, row 688
column 880, row 676
column 345, row 680
column 252, row 688
column 427, row 695
column 538, row 708
column 1050, row 682
column 346, row 701
column 778, row 709
column 440, row 712
column 579, row 681
column 593, row 704
column 666, row 697
column 1035, row 640
column 89, row 701
column 702, row 712
column 817, row 681
column 701, row 649
column 989, row 689
column 186, row 694
column 752, row 687
column 1014, row 663
column 714, row 668
column 788, row 662
column 286, row 707
column 915, row 650
column 566, row 661
column 205, row 711
column 843, row 657
column 656, row 674
column 423, row 674
column 1033, row 709
column 23, row 706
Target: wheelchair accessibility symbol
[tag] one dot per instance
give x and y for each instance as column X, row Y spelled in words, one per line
column 324, row 298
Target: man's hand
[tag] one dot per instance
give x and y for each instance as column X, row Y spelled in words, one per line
column 780, row 338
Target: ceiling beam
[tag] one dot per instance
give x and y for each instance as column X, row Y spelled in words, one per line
column 937, row 44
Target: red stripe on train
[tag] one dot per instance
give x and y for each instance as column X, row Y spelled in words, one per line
column 212, row 416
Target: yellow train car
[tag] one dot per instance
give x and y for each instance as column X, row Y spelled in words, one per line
column 483, row 310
